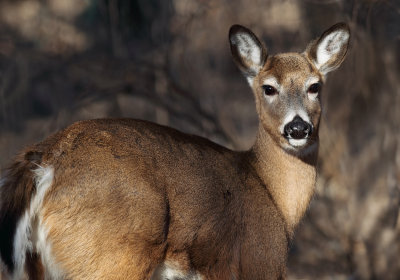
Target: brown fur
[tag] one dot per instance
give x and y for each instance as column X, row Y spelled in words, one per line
column 129, row 197
column 148, row 200
column 34, row 266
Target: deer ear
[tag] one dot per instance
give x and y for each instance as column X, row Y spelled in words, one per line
column 248, row 52
column 328, row 51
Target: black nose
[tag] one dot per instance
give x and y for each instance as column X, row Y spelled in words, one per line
column 297, row 129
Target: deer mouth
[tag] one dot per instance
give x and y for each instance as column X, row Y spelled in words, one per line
column 297, row 142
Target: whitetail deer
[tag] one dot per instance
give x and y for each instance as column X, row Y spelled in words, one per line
column 128, row 199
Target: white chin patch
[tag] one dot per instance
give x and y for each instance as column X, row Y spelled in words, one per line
column 297, row 142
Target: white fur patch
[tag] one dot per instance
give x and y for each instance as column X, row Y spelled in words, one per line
column 272, row 81
column 297, row 142
column 311, row 80
column 170, row 271
column 250, row 80
column 304, row 116
column 43, row 179
column 313, row 96
column 330, row 45
column 304, row 151
column 22, row 244
column 24, row 241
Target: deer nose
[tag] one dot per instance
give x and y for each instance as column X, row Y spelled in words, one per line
column 297, row 129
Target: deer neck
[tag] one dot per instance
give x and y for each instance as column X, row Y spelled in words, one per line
column 289, row 178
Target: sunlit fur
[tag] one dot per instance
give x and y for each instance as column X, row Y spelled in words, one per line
column 129, row 199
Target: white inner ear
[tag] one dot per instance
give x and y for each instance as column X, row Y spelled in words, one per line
column 330, row 46
column 248, row 48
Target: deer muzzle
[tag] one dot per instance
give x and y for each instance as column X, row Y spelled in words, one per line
column 297, row 129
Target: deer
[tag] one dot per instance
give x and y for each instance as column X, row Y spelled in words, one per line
column 131, row 199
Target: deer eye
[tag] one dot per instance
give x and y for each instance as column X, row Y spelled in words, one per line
column 269, row 90
column 314, row 88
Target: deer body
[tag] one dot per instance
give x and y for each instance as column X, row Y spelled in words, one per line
column 128, row 199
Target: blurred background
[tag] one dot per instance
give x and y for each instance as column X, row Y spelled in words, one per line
column 169, row 61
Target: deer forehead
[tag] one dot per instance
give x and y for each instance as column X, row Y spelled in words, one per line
column 288, row 71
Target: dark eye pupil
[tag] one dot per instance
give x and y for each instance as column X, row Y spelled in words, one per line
column 314, row 88
column 269, row 90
